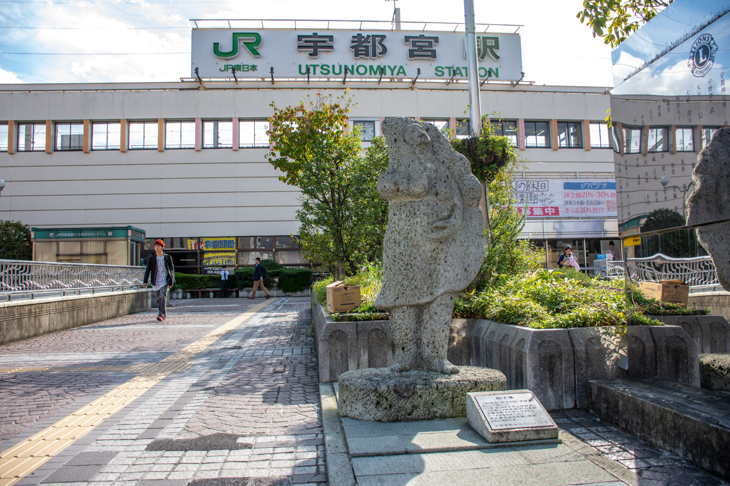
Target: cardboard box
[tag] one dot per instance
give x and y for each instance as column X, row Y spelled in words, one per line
column 342, row 297
column 673, row 291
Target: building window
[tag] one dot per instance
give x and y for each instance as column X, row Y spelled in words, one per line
column 615, row 140
column 4, row 137
column 537, row 134
column 463, row 129
column 632, row 140
column 658, row 140
column 179, row 134
column 707, row 134
column 442, row 125
column 106, row 136
column 31, row 137
column 69, row 136
column 599, row 135
column 217, row 134
column 506, row 128
column 685, row 141
column 569, row 135
column 367, row 130
column 143, row 135
column 252, row 133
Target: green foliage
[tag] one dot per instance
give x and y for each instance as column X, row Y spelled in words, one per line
column 342, row 217
column 653, row 307
column 294, row 279
column 677, row 244
column 370, row 280
column 15, row 241
column 615, row 20
column 546, row 300
column 662, row 219
column 487, row 154
column 187, row 281
column 286, row 279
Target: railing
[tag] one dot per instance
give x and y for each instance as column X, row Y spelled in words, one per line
column 19, row 277
column 698, row 271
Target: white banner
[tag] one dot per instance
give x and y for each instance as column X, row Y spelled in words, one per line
column 251, row 53
column 551, row 198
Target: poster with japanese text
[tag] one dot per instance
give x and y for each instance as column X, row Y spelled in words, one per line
column 565, row 198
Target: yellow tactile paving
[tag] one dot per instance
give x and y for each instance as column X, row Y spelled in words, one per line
column 26, row 456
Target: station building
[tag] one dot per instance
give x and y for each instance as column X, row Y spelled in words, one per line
column 185, row 161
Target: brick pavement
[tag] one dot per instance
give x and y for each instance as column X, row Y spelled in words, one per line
column 246, row 407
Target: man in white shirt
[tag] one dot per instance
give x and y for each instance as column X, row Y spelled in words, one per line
column 224, row 282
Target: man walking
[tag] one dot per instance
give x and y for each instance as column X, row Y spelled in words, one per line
column 162, row 270
column 259, row 273
column 224, row 282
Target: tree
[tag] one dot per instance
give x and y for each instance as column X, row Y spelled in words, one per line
column 15, row 241
column 615, row 20
column 342, row 216
column 678, row 244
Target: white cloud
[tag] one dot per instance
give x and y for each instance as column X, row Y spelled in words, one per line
column 8, row 77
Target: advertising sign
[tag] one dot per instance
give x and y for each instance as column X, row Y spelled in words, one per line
column 550, row 198
column 213, row 261
column 321, row 53
column 76, row 233
column 208, row 244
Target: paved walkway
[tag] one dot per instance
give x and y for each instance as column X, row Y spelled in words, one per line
column 225, row 392
column 216, row 391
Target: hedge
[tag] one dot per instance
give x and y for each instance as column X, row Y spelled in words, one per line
column 289, row 279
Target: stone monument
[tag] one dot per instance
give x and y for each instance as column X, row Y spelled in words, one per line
column 710, row 201
column 433, row 248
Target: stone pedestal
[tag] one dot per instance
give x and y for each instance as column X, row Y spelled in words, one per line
column 379, row 395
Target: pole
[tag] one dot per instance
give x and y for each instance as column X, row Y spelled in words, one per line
column 475, row 109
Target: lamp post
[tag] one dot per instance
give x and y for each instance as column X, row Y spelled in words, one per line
column 665, row 180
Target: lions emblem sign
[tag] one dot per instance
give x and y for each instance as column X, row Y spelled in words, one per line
column 702, row 55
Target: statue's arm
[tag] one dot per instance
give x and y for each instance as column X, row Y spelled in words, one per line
column 469, row 185
column 403, row 182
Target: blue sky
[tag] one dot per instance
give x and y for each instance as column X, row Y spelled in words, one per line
column 149, row 40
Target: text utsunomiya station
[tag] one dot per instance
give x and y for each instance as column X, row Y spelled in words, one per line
column 184, row 161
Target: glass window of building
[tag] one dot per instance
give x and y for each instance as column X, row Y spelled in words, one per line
column 569, row 135
column 217, row 134
column 4, row 137
column 632, row 140
column 463, row 129
column 264, row 242
column 658, row 139
column 367, row 130
column 707, row 134
column 179, row 134
column 69, row 136
column 31, row 137
column 246, row 243
column 143, row 135
column 684, row 138
column 506, row 128
column 537, row 134
column 599, row 135
column 615, row 140
column 106, row 136
column 252, row 133
column 442, row 125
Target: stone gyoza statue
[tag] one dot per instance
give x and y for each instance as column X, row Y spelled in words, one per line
column 434, row 243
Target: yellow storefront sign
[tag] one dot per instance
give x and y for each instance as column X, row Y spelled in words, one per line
column 632, row 241
column 218, row 259
column 213, row 244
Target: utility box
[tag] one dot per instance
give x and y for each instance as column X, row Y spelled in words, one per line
column 342, row 297
column 672, row 291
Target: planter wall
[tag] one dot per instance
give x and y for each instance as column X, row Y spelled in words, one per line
column 711, row 333
column 556, row 364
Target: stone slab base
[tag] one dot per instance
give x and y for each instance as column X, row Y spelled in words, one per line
column 378, row 395
column 715, row 372
column 691, row 422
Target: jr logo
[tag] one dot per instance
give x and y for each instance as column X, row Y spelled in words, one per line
column 251, row 40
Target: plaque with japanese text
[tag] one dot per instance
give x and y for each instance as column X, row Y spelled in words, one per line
column 513, row 411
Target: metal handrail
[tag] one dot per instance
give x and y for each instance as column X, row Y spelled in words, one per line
column 31, row 278
column 696, row 271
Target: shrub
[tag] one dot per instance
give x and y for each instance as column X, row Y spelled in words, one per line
column 186, row 281
column 277, row 275
column 370, row 280
column 294, row 279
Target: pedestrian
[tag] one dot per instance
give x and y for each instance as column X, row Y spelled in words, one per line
column 612, row 250
column 259, row 272
column 567, row 259
column 162, row 270
column 224, row 282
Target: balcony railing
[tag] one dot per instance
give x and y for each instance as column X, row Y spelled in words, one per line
column 26, row 278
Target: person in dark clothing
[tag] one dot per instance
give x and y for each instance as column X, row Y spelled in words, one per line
column 567, row 259
column 224, row 282
column 259, row 273
column 162, row 271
